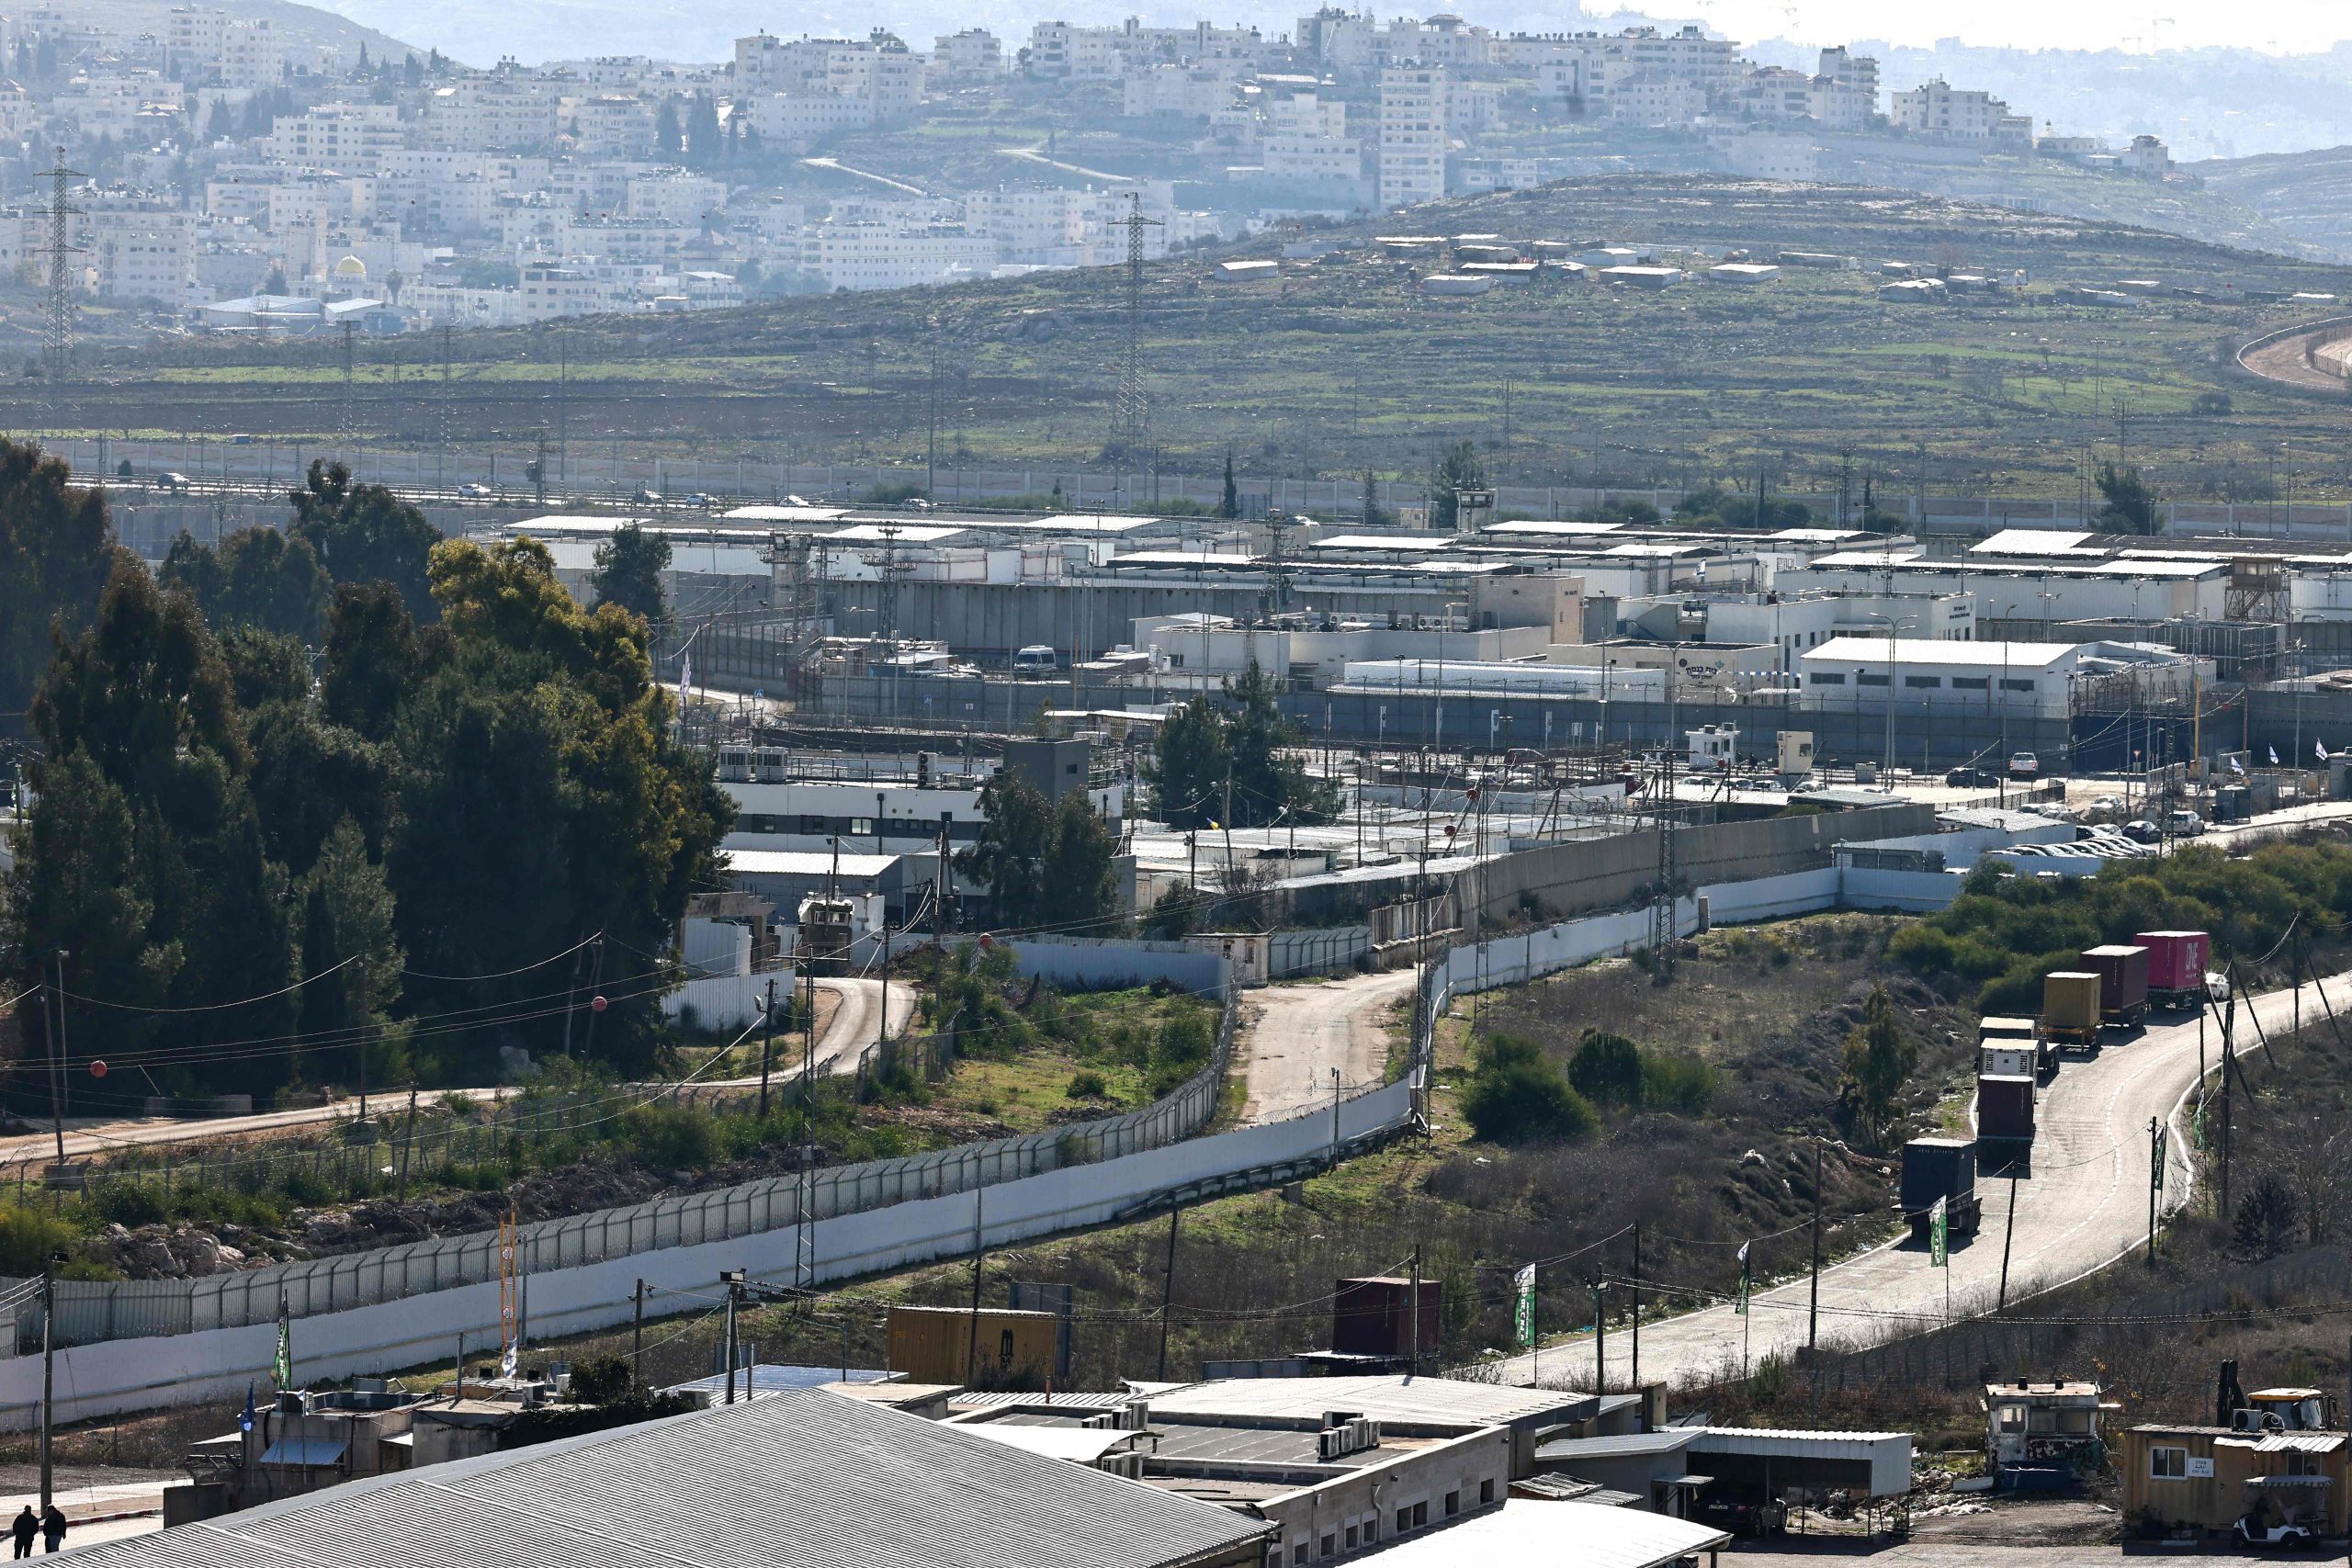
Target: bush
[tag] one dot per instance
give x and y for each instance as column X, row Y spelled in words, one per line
column 29, row 1238
column 601, row 1380
column 1183, row 1049
column 1517, row 1095
column 1087, row 1084
column 1677, row 1081
column 1606, row 1069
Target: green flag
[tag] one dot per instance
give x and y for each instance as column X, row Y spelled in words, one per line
column 2164, row 1141
column 282, row 1368
column 1939, row 1256
column 1745, row 1279
column 1523, row 1317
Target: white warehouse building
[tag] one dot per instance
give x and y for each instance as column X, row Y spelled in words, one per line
column 2025, row 680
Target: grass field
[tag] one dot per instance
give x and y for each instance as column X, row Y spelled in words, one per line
column 1341, row 368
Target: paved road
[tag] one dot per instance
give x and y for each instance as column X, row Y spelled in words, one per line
column 1290, row 1037
column 856, row 1016
column 2084, row 1202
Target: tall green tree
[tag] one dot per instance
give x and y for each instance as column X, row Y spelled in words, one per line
column 56, row 548
column 1875, row 1064
column 2128, row 501
column 1190, row 761
column 1269, row 785
column 1231, row 505
column 258, row 578
column 373, row 659
column 1018, row 833
column 629, row 564
column 1458, row 470
column 364, row 533
column 351, row 951
column 1079, row 872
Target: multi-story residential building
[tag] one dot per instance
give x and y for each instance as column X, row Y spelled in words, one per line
column 676, row 197
column 610, row 125
column 496, row 111
column 886, row 255
column 1042, row 224
column 2147, row 157
column 623, row 239
column 1176, row 92
column 794, row 122
column 350, row 137
column 1774, row 91
column 1061, row 52
column 548, row 291
column 1646, row 98
column 1839, row 63
column 138, row 248
column 1937, row 108
column 1414, row 105
column 1686, row 55
column 972, row 56
column 210, row 48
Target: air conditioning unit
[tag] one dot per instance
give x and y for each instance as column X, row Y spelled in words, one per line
column 1135, row 1416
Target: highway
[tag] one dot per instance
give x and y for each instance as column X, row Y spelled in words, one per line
column 1290, row 1037
column 2084, row 1203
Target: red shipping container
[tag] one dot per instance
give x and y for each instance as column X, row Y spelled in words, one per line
column 2004, row 1109
column 2176, row 964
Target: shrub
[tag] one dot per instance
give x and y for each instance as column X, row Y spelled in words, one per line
column 1087, row 1084
column 28, row 1239
column 601, row 1380
column 1606, row 1069
column 1517, row 1095
column 1677, row 1081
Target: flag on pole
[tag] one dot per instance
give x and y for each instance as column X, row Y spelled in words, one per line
column 2164, row 1139
column 1744, row 1281
column 2274, row 757
column 1938, row 1256
column 246, row 1422
column 686, row 678
column 2321, row 747
column 281, row 1369
column 1523, row 1317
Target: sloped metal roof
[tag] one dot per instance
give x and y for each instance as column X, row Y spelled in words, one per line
column 805, row 1479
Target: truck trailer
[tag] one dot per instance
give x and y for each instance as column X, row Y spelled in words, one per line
column 1945, row 1168
column 2122, row 971
column 2004, row 1109
column 2177, row 965
column 2070, row 1009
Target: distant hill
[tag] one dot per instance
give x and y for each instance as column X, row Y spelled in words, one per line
column 2308, row 195
column 308, row 23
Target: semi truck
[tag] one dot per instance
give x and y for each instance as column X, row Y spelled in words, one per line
column 2070, row 1009
column 1945, row 1168
column 2122, row 971
column 2177, row 965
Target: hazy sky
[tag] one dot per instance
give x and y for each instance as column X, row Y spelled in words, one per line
column 2274, row 26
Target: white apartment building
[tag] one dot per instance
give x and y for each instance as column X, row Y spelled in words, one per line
column 610, row 125
column 1840, row 105
column 1061, row 52
column 138, row 249
column 110, row 103
column 353, row 138
column 972, row 56
column 1413, row 110
column 1687, row 55
column 1042, row 225
column 882, row 256
column 622, row 239
column 1937, row 108
column 676, row 197
column 212, row 48
column 1176, row 92
column 1647, row 98
column 794, row 122
column 548, row 291
column 497, row 112
column 1839, row 63
column 1774, row 92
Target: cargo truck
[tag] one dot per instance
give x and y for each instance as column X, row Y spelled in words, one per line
column 2177, row 965
column 2122, row 971
column 1940, row 1167
column 2007, row 1058
column 2024, row 1033
column 2070, row 1009
column 2004, row 1109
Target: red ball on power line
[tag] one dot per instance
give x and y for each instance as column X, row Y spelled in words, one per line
column 987, row 942
column 98, row 1069
column 597, row 1004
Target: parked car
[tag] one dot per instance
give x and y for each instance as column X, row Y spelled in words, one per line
column 171, row 479
column 2025, row 766
column 2184, row 824
column 2143, row 832
column 473, row 492
column 2106, row 805
column 649, row 498
column 1971, row 777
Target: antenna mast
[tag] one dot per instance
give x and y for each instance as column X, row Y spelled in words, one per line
column 57, row 335
column 1131, row 416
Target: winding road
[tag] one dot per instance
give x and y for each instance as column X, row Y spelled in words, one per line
column 2083, row 1204
column 1289, row 1038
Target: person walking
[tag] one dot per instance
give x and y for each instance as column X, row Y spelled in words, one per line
column 28, row 1526
column 52, row 1528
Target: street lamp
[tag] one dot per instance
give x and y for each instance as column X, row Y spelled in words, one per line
column 1887, row 766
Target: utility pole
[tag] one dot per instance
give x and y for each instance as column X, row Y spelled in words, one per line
column 733, row 1280
column 57, row 1064
column 350, row 383
column 635, row 1342
column 2229, row 1068
column 1413, row 1310
column 48, row 1374
column 1813, row 1306
column 2008, row 1232
column 767, row 1043
column 930, row 458
column 1636, row 1383
column 1168, row 1289
column 2156, row 1181
column 57, row 330
column 979, row 1256
column 1600, row 1329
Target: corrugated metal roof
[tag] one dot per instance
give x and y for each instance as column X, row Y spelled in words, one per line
column 303, row 1451
column 1073, row 1445
column 772, row 1378
column 1384, row 1398
column 804, row 1480
column 1557, row 1535
column 2300, row 1443
column 1623, row 1445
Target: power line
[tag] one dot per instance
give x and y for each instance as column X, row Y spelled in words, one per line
column 57, row 335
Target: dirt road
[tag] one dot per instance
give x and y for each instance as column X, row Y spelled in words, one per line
column 1290, row 1037
column 857, row 1015
column 2084, row 1203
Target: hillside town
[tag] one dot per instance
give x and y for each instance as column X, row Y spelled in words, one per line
column 227, row 177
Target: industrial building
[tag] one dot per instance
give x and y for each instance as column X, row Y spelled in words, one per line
column 803, row 1479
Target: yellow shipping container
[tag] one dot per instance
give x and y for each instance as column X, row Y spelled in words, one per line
column 930, row 1344
column 2070, row 1004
